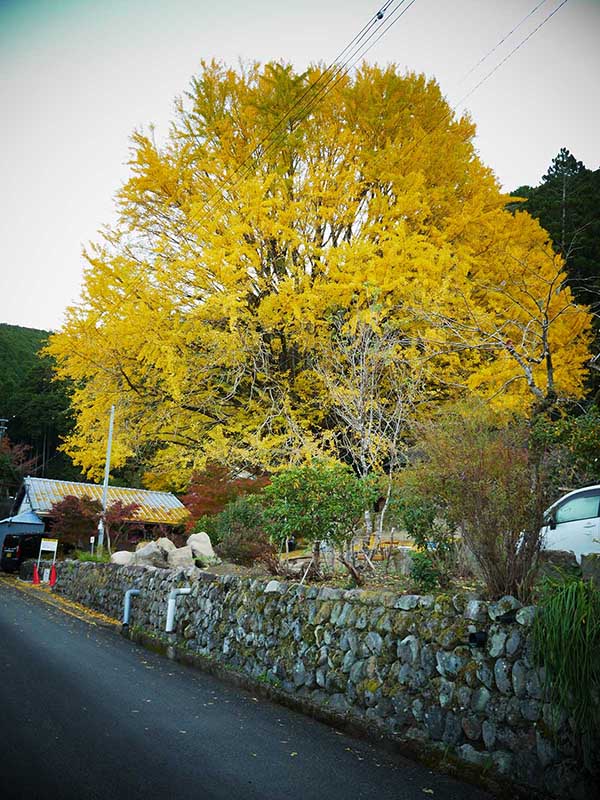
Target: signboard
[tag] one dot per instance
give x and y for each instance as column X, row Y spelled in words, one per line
column 48, row 546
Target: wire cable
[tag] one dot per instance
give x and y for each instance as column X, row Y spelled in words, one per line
column 339, row 74
column 354, row 45
column 452, row 110
column 512, row 52
column 500, row 43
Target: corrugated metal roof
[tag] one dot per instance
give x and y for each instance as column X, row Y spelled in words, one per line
column 159, row 507
column 24, row 518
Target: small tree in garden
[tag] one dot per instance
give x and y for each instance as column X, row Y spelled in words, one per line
column 119, row 519
column 479, row 471
column 434, row 537
column 241, row 514
column 213, row 488
column 318, row 502
column 76, row 519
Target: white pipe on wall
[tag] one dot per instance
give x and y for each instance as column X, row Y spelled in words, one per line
column 127, row 605
column 171, row 604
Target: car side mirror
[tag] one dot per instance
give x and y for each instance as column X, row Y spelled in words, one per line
column 552, row 522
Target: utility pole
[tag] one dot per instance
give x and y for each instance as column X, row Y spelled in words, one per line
column 105, row 484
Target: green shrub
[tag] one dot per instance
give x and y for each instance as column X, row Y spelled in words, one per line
column 424, row 571
column 317, row 502
column 245, row 513
column 434, row 538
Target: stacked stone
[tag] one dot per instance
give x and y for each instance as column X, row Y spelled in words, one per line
column 401, row 664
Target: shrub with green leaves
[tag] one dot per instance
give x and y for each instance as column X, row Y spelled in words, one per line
column 245, row 513
column 319, row 502
column 424, row 571
column 434, row 538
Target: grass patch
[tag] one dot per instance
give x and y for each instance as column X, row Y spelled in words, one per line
column 566, row 635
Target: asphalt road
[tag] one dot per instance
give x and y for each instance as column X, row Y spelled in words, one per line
column 87, row 714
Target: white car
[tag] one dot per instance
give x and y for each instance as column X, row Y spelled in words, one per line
column 573, row 523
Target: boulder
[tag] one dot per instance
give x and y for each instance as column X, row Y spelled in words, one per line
column 181, row 557
column 122, row 557
column 150, row 555
column 402, row 561
column 166, row 545
column 556, row 563
column 201, row 546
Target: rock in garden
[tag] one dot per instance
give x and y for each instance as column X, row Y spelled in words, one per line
column 180, row 557
column 201, row 546
column 166, row 545
column 122, row 557
column 150, row 555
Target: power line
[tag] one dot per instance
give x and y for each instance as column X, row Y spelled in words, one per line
column 452, row 109
column 501, row 42
column 354, row 46
column 512, row 52
column 338, row 70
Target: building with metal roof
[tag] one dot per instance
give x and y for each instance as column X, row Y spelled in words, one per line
column 38, row 495
column 20, row 524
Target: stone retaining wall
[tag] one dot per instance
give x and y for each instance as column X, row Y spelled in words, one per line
column 401, row 664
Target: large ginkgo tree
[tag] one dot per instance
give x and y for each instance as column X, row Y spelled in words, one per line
column 272, row 229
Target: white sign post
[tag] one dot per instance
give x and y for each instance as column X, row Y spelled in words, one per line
column 48, row 546
column 92, row 540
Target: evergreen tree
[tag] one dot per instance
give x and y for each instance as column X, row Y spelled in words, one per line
column 567, row 204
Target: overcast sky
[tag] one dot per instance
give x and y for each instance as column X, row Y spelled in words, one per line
column 78, row 76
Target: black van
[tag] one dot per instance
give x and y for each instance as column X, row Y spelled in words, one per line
column 18, row 548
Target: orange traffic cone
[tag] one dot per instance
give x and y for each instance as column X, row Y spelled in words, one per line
column 36, row 576
column 52, row 580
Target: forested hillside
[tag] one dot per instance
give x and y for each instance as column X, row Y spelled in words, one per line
column 36, row 407
column 18, row 349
